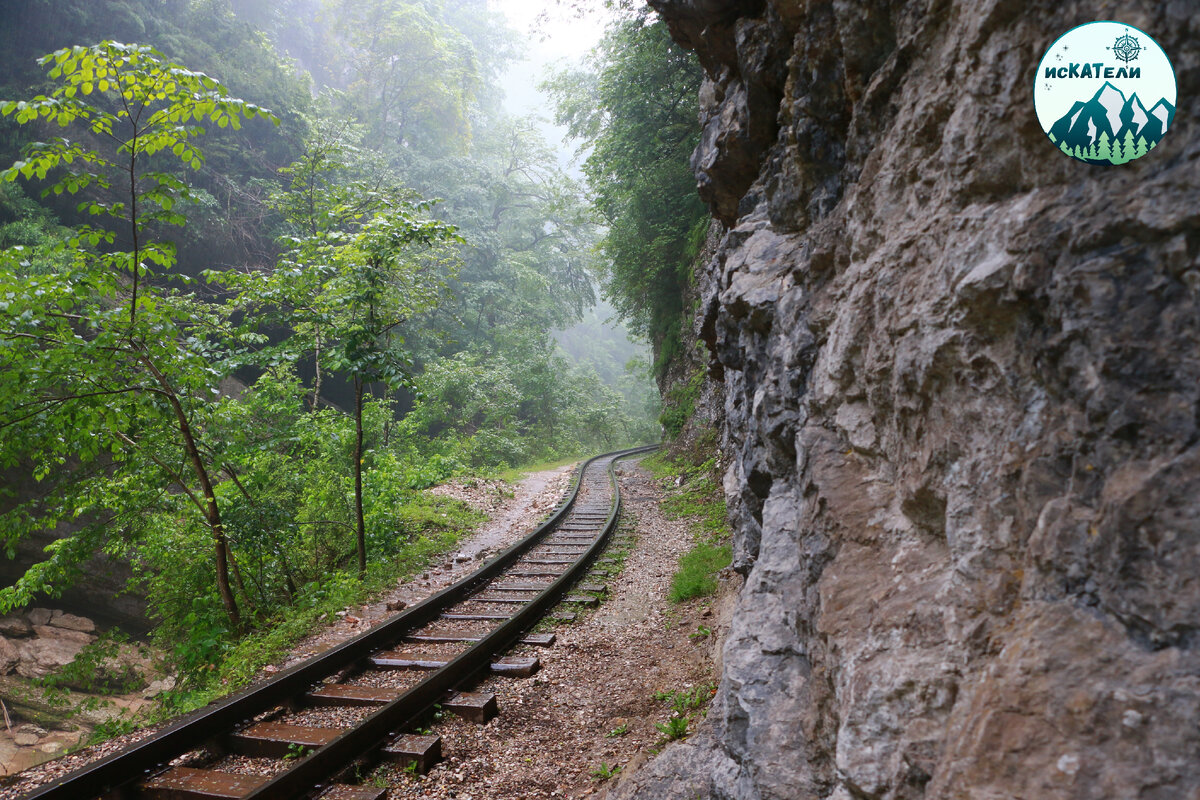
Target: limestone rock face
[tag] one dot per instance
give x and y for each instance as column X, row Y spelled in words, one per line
column 962, row 396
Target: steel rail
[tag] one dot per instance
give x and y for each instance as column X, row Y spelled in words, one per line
column 114, row 774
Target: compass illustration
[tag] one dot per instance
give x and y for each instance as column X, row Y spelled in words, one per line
column 1126, row 48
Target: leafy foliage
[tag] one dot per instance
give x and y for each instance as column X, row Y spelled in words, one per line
column 636, row 111
column 198, row 431
column 116, row 388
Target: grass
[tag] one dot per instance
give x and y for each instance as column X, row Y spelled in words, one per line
column 696, row 576
column 693, row 494
column 674, row 728
column 684, row 700
column 620, row 730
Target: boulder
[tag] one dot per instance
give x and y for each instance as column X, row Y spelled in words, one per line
column 9, row 656
column 14, row 626
column 159, row 686
column 72, row 622
column 41, row 656
column 40, row 616
column 64, row 634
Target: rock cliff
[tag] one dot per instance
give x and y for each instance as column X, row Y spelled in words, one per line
column 962, row 382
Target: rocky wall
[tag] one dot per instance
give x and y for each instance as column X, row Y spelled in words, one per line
column 962, row 390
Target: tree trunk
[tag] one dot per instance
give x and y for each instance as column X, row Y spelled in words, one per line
column 361, row 527
column 212, row 512
column 316, row 398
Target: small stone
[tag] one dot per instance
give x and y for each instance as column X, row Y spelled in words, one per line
column 51, row 747
column 396, row 605
column 25, row 739
column 29, row 727
column 39, row 616
column 1131, row 719
column 1068, row 764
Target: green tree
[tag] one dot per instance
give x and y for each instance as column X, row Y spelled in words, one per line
column 636, row 111
column 378, row 286
column 1128, row 147
column 93, row 361
column 364, row 260
column 1141, row 149
column 412, row 75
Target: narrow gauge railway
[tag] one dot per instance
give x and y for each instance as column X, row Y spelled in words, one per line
column 264, row 743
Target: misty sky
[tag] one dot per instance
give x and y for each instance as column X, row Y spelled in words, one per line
column 555, row 35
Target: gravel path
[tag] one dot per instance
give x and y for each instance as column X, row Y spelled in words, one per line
column 600, row 677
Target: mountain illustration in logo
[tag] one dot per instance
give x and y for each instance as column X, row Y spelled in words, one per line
column 1110, row 129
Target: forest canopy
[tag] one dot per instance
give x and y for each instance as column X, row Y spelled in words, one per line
column 268, row 270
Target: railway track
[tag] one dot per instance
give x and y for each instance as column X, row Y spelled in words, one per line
column 262, row 743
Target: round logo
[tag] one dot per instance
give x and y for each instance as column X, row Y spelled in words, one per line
column 1105, row 93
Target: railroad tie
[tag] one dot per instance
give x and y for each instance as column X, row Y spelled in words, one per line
column 539, row 639
column 344, row 791
column 424, row 751
column 511, row 666
column 477, row 707
column 338, row 694
column 278, row 739
column 492, row 598
column 187, row 783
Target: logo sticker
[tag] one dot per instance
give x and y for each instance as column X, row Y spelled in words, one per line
column 1105, row 93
